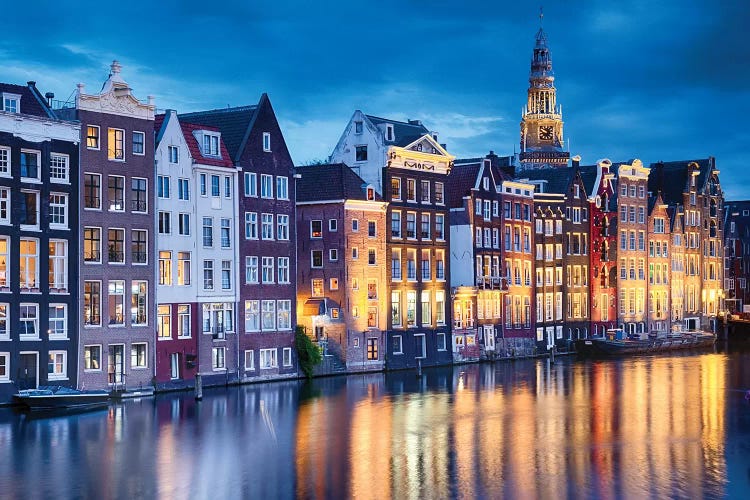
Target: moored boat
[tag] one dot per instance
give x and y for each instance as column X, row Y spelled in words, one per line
column 619, row 345
column 58, row 398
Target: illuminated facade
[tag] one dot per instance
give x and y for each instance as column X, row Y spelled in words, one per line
column 542, row 142
column 632, row 226
column 603, row 226
column 737, row 254
column 417, row 244
column 659, row 269
column 677, row 275
column 342, row 289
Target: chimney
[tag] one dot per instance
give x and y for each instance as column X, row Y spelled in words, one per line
column 49, row 96
column 576, row 160
column 415, row 122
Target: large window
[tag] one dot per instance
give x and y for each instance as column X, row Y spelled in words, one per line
column 165, row 267
column 266, row 228
column 164, row 321
column 92, row 303
column 30, row 164
column 226, row 228
column 283, row 267
column 92, row 191
column 226, row 274
column 92, row 357
column 184, row 325
column 251, row 225
column 267, row 269
column 165, row 222
column 29, row 324
column 138, row 250
column 251, row 269
column 138, row 195
column 58, row 321
column 116, row 193
column 266, row 186
column 138, row 355
column 116, row 144
column 268, row 358
column 116, row 302
column 183, row 189
column 282, row 227
column 29, row 263
column 252, row 315
column 268, row 315
column 183, row 268
column 162, row 186
column 208, row 275
column 58, row 265
column 138, row 303
column 59, row 169
column 29, row 209
column 282, row 188
column 251, row 184
column 116, row 246
column 284, row 308
column 208, row 231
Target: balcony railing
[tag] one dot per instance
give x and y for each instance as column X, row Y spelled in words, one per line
column 138, row 205
column 139, row 257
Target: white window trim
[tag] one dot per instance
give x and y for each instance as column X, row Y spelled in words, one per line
column 98, row 136
column 64, row 374
column 143, row 134
column 267, row 142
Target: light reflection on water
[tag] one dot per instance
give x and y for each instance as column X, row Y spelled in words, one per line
column 665, row 426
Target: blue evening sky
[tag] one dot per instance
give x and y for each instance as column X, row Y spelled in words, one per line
column 666, row 80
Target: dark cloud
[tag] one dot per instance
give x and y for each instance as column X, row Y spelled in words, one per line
column 636, row 78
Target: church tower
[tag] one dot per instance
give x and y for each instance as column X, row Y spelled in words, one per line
column 542, row 144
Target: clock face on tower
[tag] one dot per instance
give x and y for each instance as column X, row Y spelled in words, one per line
column 545, row 133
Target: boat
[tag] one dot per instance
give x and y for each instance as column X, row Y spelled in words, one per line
column 616, row 343
column 48, row 398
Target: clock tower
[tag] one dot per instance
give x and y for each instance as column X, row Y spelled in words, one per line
column 541, row 124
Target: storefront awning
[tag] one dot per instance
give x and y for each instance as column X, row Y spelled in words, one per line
column 314, row 307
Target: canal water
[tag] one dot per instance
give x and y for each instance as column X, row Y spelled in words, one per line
column 666, row 426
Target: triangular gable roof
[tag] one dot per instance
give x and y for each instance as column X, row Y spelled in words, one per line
column 672, row 178
column 432, row 143
column 32, row 103
column 460, row 181
column 333, row 181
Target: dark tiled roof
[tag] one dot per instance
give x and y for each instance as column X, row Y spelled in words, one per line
column 332, row 181
column 195, row 150
column 671, row 178
column 558, row 179
column 404, row 133
column 462, row 178
column 31, row 101
column 234, row 124
column 588, row 175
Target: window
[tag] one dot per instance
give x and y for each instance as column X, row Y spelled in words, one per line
column 426, row 305
column 267, row 269
column 396, row 308
column 252, row 315
column 138, row 355
column 333, row 284
column 57, row 366
column 282, row 188
column 29, row 325
column 4, row 205
column 29, row 263
column 266, row 141
column 218, row 359
column 139, row 139
column 249, row 360
column 58, row 211
column 251, row 184
column 317, row 258
column 425, row 226
column 183, row 222
column 411, row 190
column 92, row 303
column 268, row 358
column 439, row 227
column 396, row 224
column 411, row 223
column 226, row 274
column 30, row 164
column 266, row 186
column 208, row 231
column 202, row 180
column 116, row 246
column 5, row 161
column 165, row 222
column 266, row 227
column 174, row 154
column 29, row 210
column 162, row 186
column 287, row 356
column 316, row 229
column 4, row 322
column 371, row 229
column 210, row 144
column 138, row 197
column 215, row 187
column 439, row 193
column 116, row 144
column 116, row 302
column 440, row 265
column 425, row 188
column 4, row 367
column 398, row 347
column 138, row 243
column 284, row 308
column 58, row 167
column 138, row 302
column 251, row 269
column 372, row 349
column 92, row 137
column 92, row 357
column 58, row 321
column 282, row 227
column 425, row 265
column 396, row 264
column 317, row 287
column 283, row 266
column 227, row 187
column 371, row 257
column 225, row 233
column 411, row 308
column 183, row 268
column 58, row 264
column 208, row 275
column 360, row 153
column 164, row 321
column 165, row 268
column 396, row 188
column 268, row 315
column 116, row 193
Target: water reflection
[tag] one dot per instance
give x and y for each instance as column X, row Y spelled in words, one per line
column 667, row 426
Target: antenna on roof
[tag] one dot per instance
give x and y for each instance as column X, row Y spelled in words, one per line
column 541, row 15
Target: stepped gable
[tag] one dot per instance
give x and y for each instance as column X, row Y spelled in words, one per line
column 333, row 181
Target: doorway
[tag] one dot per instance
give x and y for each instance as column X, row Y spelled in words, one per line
column 116, row 364
column 28, row 370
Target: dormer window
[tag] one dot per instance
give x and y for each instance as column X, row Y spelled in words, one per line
column 370, row 193
column 389, row 132
column 210, row 144
column 11, row 103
